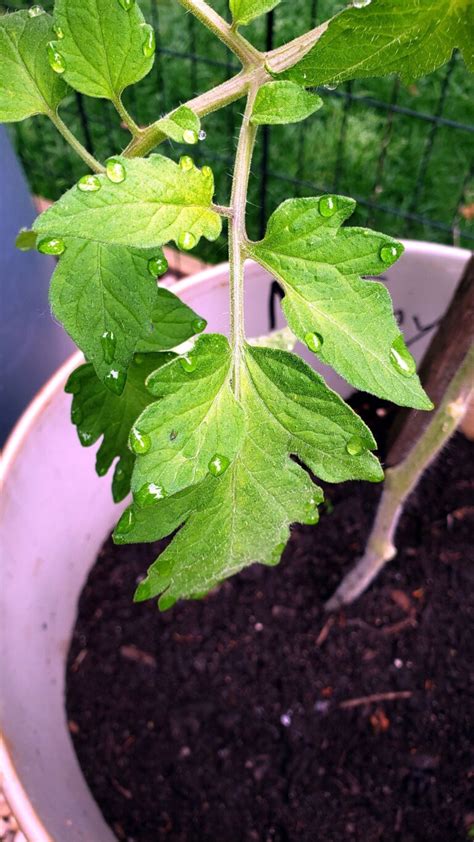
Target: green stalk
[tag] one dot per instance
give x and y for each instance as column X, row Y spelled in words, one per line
column 239, row 45
column 67, row 134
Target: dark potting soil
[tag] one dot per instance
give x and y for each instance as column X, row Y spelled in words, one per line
column 239, row 718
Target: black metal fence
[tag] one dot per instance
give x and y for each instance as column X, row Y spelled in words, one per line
column 405, row 154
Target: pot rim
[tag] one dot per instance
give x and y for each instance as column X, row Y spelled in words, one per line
column 15, row 793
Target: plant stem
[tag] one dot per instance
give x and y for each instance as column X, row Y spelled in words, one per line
column 238, row 236
column 239, row 45
column 89, row 159
column 285, row 57
column 126, row 117
column 401, row 480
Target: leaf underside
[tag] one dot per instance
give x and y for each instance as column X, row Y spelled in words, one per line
column 283, row 102
column 244, row 11
column 384, row 38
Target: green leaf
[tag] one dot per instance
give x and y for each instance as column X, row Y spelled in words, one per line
column 196, row 419
column 158, row 201
column 244, row 11
column 102, row 47
column 173, row 323
column 28, row 85
column 182, row 125
column 97, row 412
column 347, row 321
column 412, row 38
column 243, row 515
column 283, row 102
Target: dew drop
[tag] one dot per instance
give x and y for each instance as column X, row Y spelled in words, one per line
column 401, row 358
column 360, row 4
column 149, row 494
column 108, row 342
column 330, row 86
column 355, row 446
column 101, row 467
column 85, row 438
column 157, row 266
column 127, row 4
column 198, row 325
column 58, row 32
column 125, row 524
column 51, row 245
column 207, row 172
column 115, row 381
column 190, row 136
column 389, row 253
column 76, row 415
column 56, row 60
column 311, row 513
column 140, row 443
column 35, row 11
column 202, row 134
column 115, row 171
column 327, row 206
column 218, row 465
column 276, row 555
column 314, row 342
column 186, row 240
column 89, row 184
column 186, row 163
column 188, row 362
column 149, row 42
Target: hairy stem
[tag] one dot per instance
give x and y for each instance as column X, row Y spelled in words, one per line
column 402, row 480
column 126, row 117
column 239, row 45
column 67, row 134
column 238, row 236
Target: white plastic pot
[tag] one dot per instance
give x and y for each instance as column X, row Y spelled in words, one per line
column 56, row 515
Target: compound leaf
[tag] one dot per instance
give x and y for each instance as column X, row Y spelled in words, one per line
column 412, row 38
column 346, row 320
column 28, row 85
column 157, row 201
column 102, row 45
column 244, row 11
column 283, row 102
column 243, row 514
column 97, row 412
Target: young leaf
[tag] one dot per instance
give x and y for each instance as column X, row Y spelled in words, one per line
column 182, row 125
column 157, row 201
column 283, row 102
column 347, row 321
column 243, row 514
column 412, row 38
column 97, row 412
column 102, row 45
column 28, row 85
column 244, row 11
column 196, row 419
column 105, row 297
column 173, row 322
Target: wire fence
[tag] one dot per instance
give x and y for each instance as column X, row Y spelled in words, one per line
column 404, row 153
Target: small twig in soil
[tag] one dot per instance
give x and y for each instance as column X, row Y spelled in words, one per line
column 324, row 633
column 391, row 696
column 133, row 653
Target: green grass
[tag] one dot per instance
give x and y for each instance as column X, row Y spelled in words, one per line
column 337, row 149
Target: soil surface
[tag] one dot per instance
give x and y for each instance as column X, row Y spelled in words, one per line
column 239, row 718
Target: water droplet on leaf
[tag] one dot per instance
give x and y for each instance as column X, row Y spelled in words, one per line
column 202, row 135
column 327, row 206
column 330, row 86
column 198, row 325
column 149, row 494
column 311, row 516
column 35, row 11
column 127, row 4
column 108, row 342
column 218, row 465
column 149, row 42
column 115, row 380
column 401, row 358
column 56, row 60
column 276, row 555
column 51, row 245
column 89, row 183
column 186, row 163
column 360, row 4
column 188, row 362
column 390, row 253
column 314, row 342
column 355, row 446
column 115, row 171
column 157, row 266
column 140, row 443
column 207, row 172
column 58, row 32
column 125, row 524
column 85, row 438
column 190, row 136
column 186, row 241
